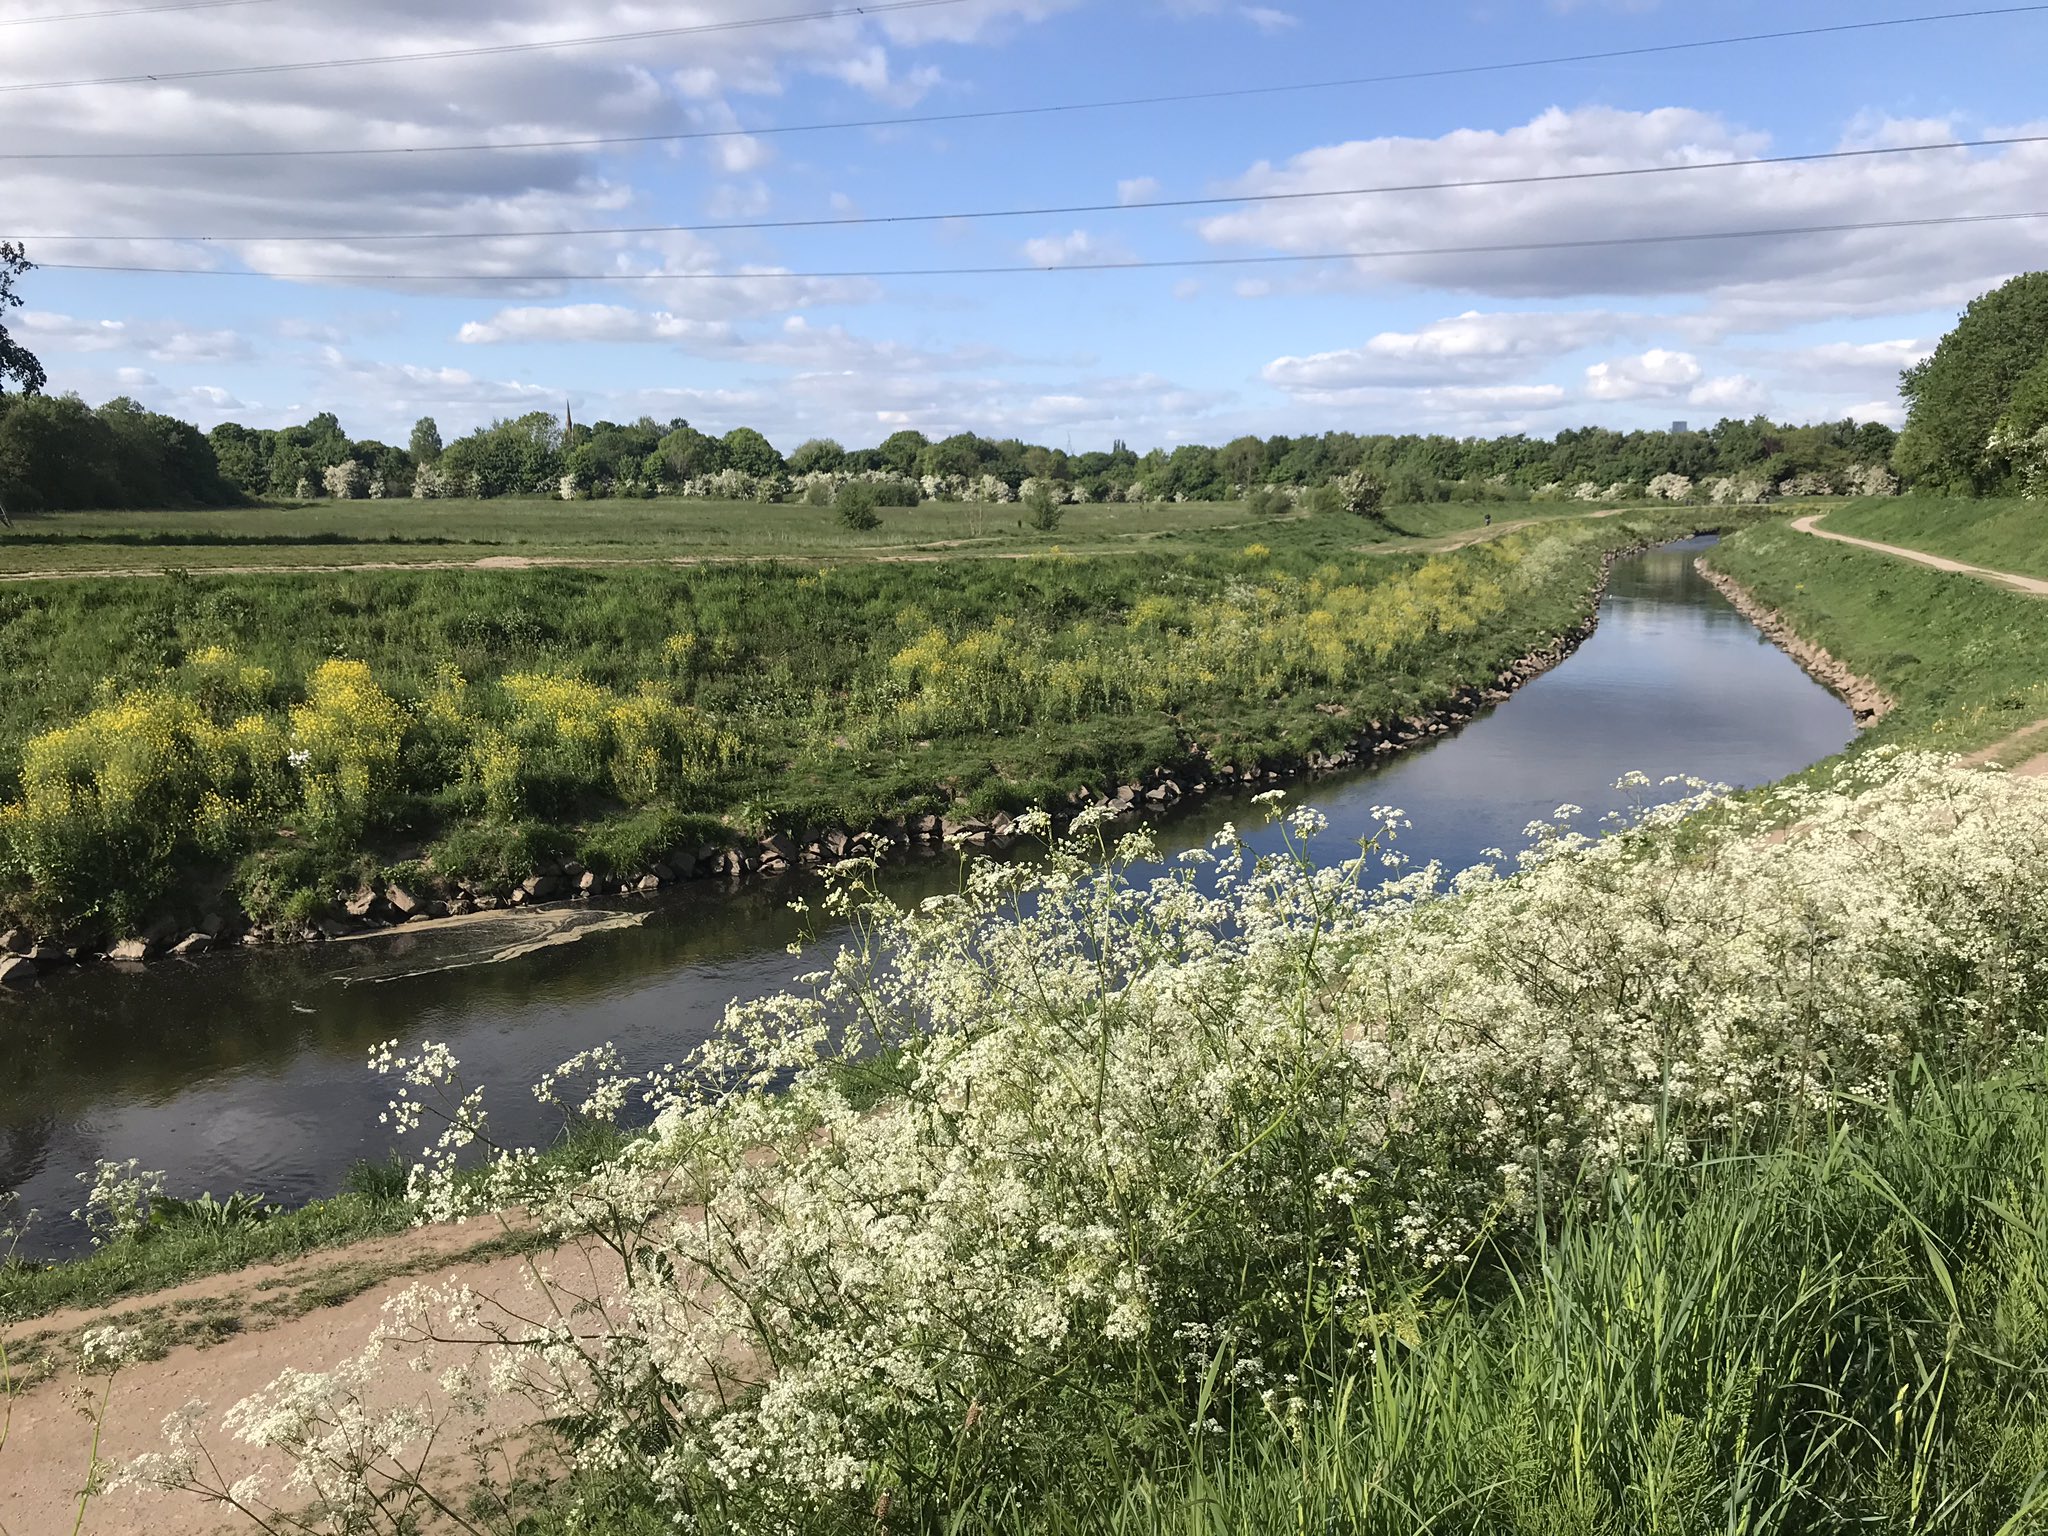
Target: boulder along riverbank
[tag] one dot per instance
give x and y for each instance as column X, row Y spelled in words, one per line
column 1868, row 702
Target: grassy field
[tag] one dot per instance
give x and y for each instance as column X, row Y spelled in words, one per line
column 489, row 719
column 332, row 533
column 2001, row 535
column 1966, row 660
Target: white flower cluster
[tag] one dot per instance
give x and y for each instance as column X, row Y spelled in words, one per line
column 346, row 481
column 117, row 1199
column 1153, row 1116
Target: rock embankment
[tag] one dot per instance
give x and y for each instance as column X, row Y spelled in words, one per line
column 1868, row 702
column 387, row 905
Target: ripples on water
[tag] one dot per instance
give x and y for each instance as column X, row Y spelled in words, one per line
column 245, row 1071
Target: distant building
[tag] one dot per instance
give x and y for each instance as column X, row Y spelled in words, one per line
column 1681, row 426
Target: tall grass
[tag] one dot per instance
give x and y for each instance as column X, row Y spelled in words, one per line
column 277, row 734
column 1848, row 1332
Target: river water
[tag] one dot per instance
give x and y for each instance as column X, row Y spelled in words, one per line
column 245, row 1070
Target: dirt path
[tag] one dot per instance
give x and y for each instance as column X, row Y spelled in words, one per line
column 1445, row 543
column 2019, row 752
column 2030, row 585
column 48, row 1443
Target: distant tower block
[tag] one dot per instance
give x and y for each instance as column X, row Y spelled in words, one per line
column 1680, row 426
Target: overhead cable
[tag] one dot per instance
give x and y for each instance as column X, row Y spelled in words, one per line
column 1442, row 72
column 131, row 10
column 847, row 221
column 490, row 50
column 1133, row 264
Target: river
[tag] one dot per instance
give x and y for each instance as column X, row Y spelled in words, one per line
column 245, row 1070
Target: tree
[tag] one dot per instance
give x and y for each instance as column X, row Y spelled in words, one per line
column 819, row 456
column 900, row 451
column 1243, row 462
column 426, row 441
column 748, row 451
column 16, row 361
column 1364, row 495
column 689, row 454
column 1956, row 397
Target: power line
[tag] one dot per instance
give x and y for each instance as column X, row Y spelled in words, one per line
column 490, row 50
column 133, row 10
column 984, row 114
column 1055, row 210
column 1132, row 265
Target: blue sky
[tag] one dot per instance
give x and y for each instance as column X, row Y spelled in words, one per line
column 1805, row 329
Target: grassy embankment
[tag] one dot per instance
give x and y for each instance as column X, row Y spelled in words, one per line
column 833, row 630
column 1966, row 660
column 1999, row 535
column 1830, row 1319
column 335, row 533
column 485, row 721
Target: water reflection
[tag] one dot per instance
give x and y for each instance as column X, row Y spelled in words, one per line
column 245, row 1071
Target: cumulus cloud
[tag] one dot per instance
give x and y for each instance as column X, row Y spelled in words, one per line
column 162, row 341
column 1752, row 282
column 1137, row 189
column 1735, row 394
column 589, row 323
column 1473, row 344
column 568, row 94
column 1657, row 374
column 1072, row 249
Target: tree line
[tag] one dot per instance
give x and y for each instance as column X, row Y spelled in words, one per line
column 56, row 452
column 1977, row 424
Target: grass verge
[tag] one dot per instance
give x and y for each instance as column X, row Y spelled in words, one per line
column 1997, row 534
column 1967, row 661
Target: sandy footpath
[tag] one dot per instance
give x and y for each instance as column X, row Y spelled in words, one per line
column 2030, row 585
column 48, row 1443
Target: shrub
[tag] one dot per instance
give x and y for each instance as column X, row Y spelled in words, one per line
column 897, row 492
column 1043, row 509
column 1269, row 501
column 855, row 502
column 1364, row 495
column 1324, row 500
column 1172, row 1157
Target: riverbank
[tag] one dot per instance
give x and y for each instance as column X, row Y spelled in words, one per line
column 1348, row 680
column 1966, row 662
column 2001, row 534
column 1865, row 699
column 1860, row 1211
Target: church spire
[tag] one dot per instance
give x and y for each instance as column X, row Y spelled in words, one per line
column 568, row 420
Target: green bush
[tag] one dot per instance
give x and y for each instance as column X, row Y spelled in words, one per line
column 1043, row 509
column 856, row 502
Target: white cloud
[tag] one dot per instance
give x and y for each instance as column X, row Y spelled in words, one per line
column 1072, row 249
column 1267, row 19
column 1752, row 283
column 1137, row 189
column 1735, row 394
column 1657, row 374
column 162, row 341
column 1496, row 397
column 1463, row 346
column 585, row 323
column 567, row 94
column 1891, row 412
